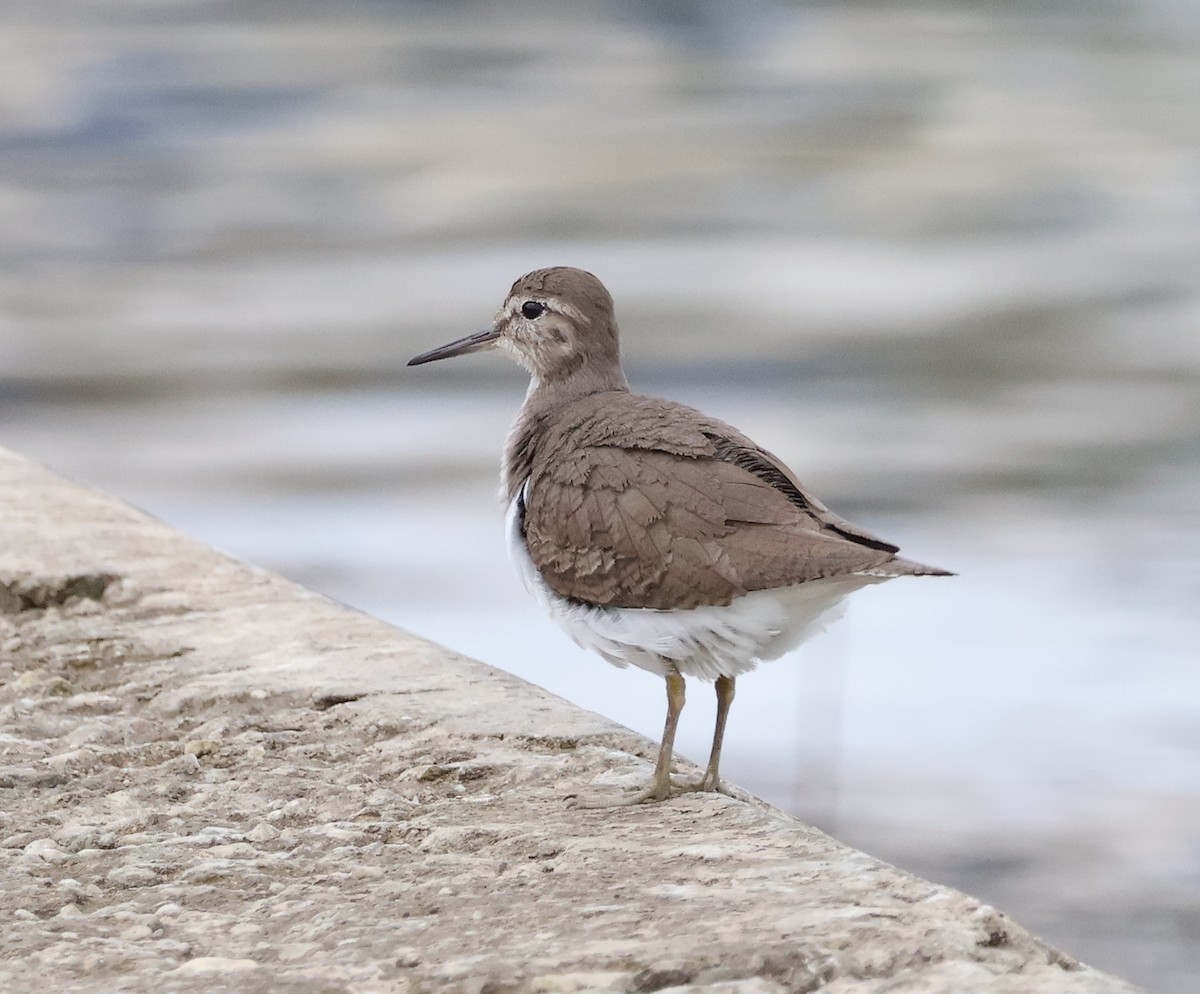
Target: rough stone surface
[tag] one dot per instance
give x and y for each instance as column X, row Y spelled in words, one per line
column 212, row 779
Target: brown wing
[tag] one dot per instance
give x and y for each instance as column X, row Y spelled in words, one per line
column 644, row 528
column 734, row 447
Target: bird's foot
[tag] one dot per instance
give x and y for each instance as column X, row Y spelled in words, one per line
column 658, row 789
column 710, row 783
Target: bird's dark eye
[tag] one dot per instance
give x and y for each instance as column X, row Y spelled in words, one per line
column 532, row 309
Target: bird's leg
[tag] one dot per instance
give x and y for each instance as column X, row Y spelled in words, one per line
column 660, row 786
column 711, row 779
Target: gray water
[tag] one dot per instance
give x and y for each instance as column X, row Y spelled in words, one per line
column 943, row 259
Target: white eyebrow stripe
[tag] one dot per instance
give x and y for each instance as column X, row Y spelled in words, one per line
column 515, row 302
column 573, row 313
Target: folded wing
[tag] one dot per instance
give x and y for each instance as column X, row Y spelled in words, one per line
column 680, row 512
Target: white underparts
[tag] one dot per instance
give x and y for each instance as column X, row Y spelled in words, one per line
column 704, row 642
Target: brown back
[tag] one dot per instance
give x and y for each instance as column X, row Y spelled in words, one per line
column 639, row 502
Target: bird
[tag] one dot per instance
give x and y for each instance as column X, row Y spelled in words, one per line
column 655, row 535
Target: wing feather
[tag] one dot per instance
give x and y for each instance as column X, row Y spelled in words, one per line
column 670, row 509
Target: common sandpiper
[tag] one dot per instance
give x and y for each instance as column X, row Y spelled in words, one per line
column 654, row 534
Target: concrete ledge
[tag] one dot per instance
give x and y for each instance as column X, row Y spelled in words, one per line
column 212, row 779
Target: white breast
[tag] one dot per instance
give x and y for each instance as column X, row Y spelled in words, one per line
column 705, row 642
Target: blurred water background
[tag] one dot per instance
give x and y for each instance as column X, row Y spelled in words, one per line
column 944, row 258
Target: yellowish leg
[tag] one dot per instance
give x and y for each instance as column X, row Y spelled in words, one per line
column 660, row 787
column 712, row 779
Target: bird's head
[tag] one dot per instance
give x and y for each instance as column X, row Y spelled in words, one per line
column 555, row 322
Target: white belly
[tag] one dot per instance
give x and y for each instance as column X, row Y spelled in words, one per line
column 705, row 642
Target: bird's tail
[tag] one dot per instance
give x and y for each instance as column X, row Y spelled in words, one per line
column 906, row 567
column 903, row 567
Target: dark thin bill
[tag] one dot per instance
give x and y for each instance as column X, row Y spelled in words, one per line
column 472, row 343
